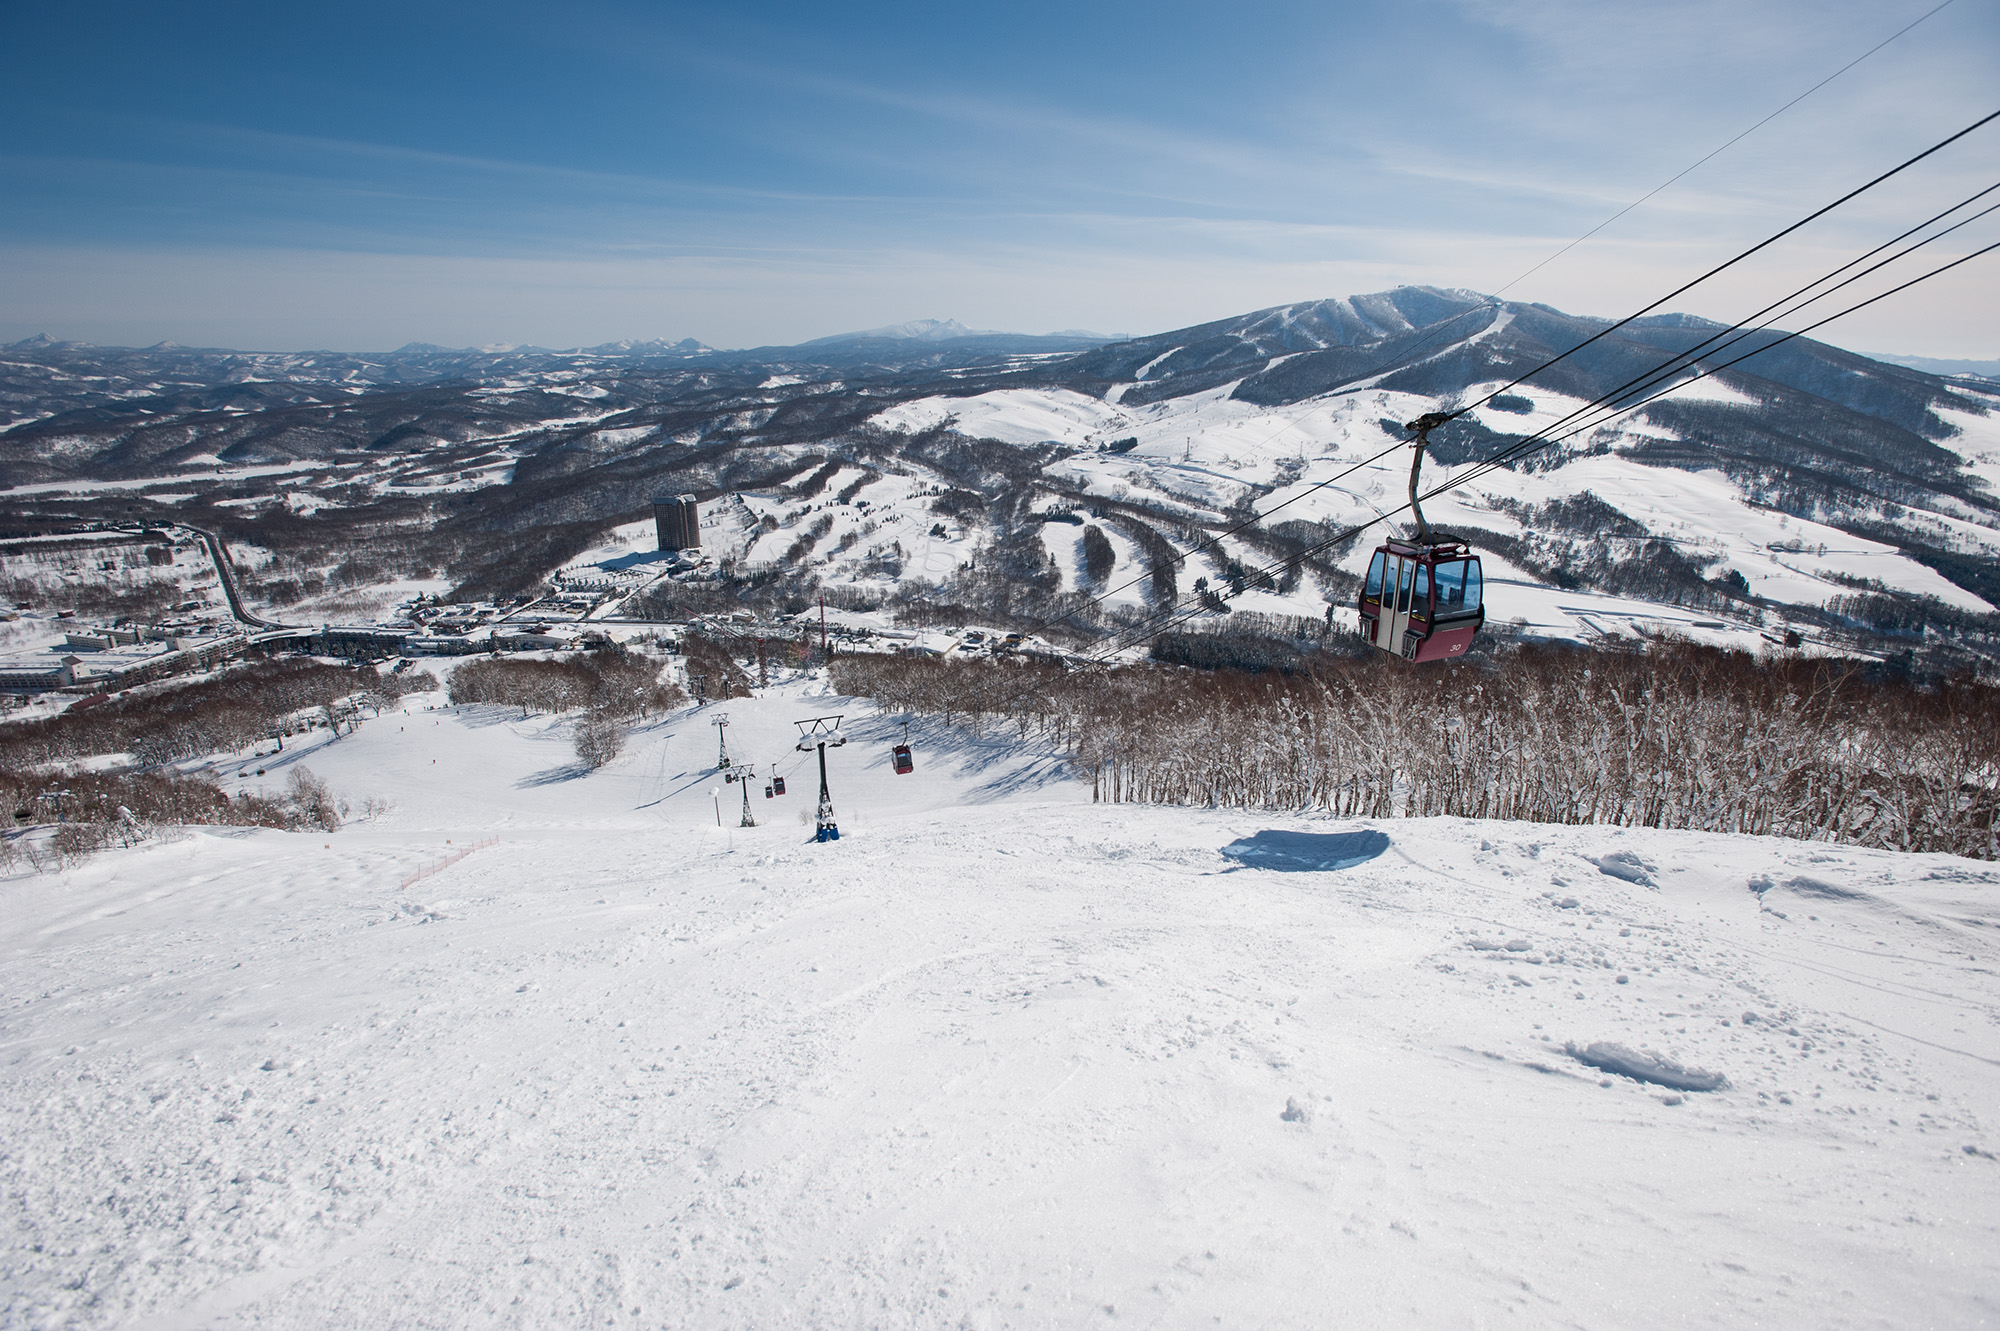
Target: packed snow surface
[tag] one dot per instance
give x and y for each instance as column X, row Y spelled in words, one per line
column 997, row 1057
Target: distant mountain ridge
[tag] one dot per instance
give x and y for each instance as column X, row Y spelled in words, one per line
column 1983, row 369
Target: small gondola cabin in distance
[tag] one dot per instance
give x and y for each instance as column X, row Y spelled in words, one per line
column 1422, row 601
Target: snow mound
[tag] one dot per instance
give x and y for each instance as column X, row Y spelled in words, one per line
column 1623, row 1062
column 1624, row 865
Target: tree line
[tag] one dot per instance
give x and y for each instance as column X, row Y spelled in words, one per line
column 63, row 818
column 1675, row 736
column 608, row 687
column 220, row 714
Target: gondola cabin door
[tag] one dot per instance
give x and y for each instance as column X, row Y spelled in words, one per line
column 1396, row 584
column 1407, row 584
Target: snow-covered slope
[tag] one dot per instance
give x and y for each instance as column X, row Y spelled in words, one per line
column 998, row 1057
column 1210, row 451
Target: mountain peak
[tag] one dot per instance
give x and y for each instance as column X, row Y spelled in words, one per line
column 922, row 330
column 652, row 346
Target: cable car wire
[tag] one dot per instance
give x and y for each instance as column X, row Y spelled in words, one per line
column 1674, row 364
column 1763, row 244
column 1494, row 302
column 1729, row 336
column 1180, row 558
column 1521, row 449
column 1724, row 148
column 1509, row 454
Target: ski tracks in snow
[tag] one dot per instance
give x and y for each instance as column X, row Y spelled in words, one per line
column 1021, row 1064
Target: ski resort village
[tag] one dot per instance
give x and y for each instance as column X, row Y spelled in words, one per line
column 1451, row 779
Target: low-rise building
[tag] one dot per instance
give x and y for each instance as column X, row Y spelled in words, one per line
column 106, row 659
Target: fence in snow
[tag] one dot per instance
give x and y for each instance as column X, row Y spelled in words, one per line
column 446, row 862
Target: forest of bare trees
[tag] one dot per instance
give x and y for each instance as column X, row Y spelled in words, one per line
column 607, row 687
column 229, row 711
column 85, row 812
column 1676, row 736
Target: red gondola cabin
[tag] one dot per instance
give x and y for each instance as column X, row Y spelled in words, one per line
column 1422, row 602
column 900, row 756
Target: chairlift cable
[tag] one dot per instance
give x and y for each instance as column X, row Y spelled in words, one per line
column 1180, row 558
column 1763, row 244
column 1500, row 459
column 1608, row 402
column 1127, row 641
column 1726, row 337
column 1716, row 152
column 1669, row 181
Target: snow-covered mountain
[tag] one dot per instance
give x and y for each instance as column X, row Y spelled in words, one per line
column 1805, row 473
column 1808, row 486
column 949, row 335
column 915, row 330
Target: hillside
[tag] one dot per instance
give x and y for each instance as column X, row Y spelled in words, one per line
column 997, row 1057
column 1808, row 489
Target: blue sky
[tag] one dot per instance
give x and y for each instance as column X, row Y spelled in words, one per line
column 362, row 175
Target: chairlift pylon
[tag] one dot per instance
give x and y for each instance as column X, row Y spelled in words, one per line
column 821, row 733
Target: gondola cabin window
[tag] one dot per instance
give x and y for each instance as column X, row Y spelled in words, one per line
column 1457, row 587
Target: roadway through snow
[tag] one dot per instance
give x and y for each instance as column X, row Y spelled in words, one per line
column 227, row 576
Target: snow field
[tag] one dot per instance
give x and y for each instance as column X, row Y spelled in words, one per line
column 898, row 509
column 1203, row 449
column 1978, row 441
column 998, row 1057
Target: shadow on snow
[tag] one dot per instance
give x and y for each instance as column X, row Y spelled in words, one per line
column 1306, row 852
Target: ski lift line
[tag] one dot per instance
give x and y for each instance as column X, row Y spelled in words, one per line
column 1723, row 339
column 1714, row 153
column 1179, row 558
column 1293, row 420
column 1517, row 450
column 1689, row 359
column 1699, row 162
column 1603, row 401
column 1764, row 244
column 1523, row 448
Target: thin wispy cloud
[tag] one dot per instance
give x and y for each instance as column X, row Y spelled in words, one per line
column 1129, row 167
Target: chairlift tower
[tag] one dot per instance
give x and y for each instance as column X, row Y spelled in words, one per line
column 744, row 778
column 817, row 733
column 721, row 724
